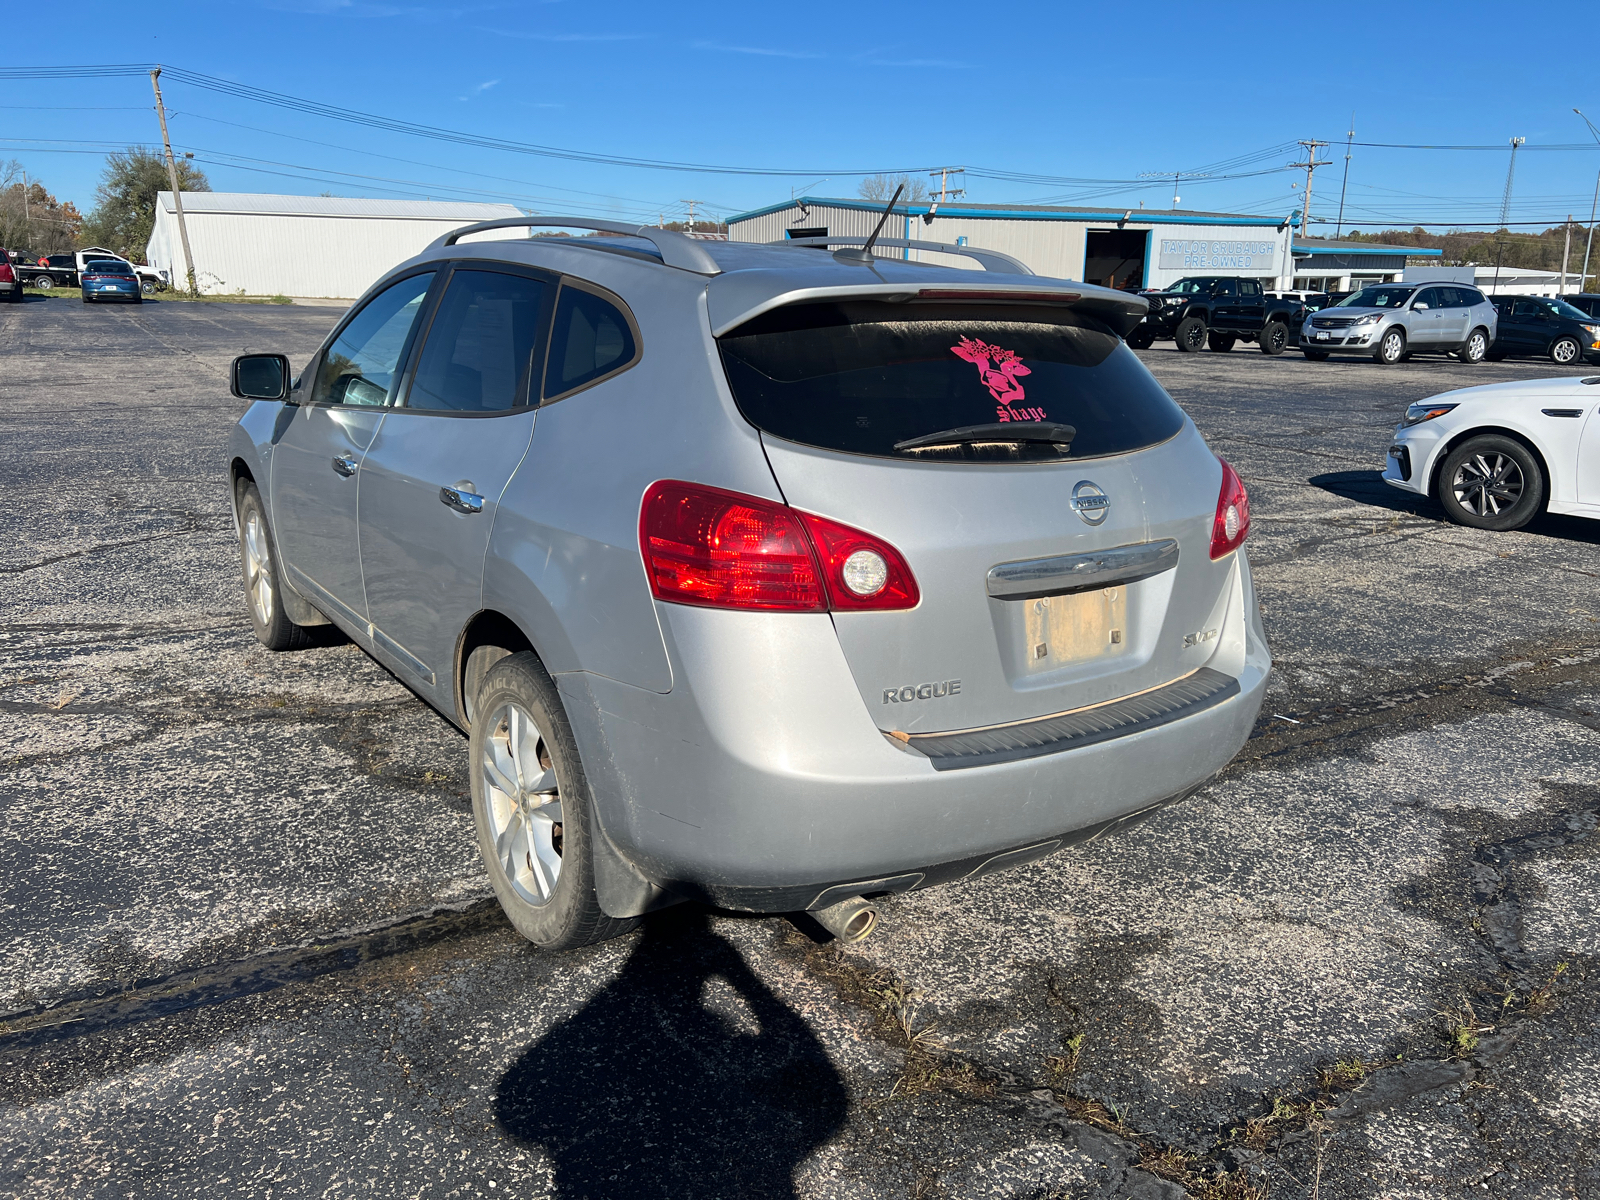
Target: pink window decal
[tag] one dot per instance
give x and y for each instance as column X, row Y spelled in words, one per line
column 999, row 369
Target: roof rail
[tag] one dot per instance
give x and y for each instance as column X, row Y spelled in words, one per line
column 992, row 260
column 676, row 250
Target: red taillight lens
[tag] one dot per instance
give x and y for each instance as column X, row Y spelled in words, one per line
column 861, row 572
column 1232, row 522
column 7, row 275
column 720, row 549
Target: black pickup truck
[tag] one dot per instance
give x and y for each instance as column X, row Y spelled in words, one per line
column 1219, row 311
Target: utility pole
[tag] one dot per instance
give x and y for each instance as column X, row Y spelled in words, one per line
column 1311, row 164
column 691, row 204
column 1348, row 140
column 1566, row 251
column 945, row 190
column 25, row 217
column 1505, row 214
column 172, row 175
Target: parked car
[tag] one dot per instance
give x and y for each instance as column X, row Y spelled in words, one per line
column 1217, row 311
column 668, row 528
column 1553, row 329
column 1584, row 302
column 1310, row 301
column 109, row 279
column 1496, row 456
column 65, row 270
column 10, row 281
column 1389, row 322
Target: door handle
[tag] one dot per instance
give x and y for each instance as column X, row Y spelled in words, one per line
column 465, row 502
column 344, row 464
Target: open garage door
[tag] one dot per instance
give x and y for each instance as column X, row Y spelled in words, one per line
column 1115, row 258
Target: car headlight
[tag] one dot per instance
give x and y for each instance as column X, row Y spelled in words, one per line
column 1425, row 411
column 1593, row 330
column 1369, row 319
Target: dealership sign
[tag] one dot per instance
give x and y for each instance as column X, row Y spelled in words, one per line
column 1182, row 254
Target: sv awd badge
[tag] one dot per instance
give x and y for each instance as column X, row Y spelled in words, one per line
column 922, row 691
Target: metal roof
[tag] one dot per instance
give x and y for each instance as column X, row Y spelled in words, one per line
column 1330, row 247
column 1025, row 212
column 266, row 204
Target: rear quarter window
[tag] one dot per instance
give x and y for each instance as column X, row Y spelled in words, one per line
column 860, row 377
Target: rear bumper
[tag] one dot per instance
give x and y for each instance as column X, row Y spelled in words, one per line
column 761, row 782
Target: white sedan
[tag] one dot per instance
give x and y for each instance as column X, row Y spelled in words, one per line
column 1496, row 456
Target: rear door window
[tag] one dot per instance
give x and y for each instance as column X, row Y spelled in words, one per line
column 480, row 346
column 862, row 376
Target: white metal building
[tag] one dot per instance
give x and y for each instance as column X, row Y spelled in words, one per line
column 265, row 245
column 1120, row 248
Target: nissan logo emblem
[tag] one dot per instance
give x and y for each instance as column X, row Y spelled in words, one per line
column 1090, row 503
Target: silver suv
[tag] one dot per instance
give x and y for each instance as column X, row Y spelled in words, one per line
column 770, row 576
column 1389, row 321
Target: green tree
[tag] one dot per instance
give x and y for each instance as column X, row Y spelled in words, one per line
column 125, row 201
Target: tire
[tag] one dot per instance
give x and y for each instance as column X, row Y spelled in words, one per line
column 1475, row 349
column 84, row 297
column 147, row 287
column 1391, row 348
column 1190, row 335
column 1220, row 343
column 43, row 282
column 1141, row 338
column 535, row 843
column 1315, row 355
column 1516, row 488
column 1565, row 351
column 139, row 299
column 263, row 585
column 1274, row 338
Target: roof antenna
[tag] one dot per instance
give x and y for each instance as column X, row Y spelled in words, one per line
column 864, row 254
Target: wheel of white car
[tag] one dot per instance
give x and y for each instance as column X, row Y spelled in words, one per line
column 263, row 587
column 530, row 802
column 1475, row 348
column 1564, row 352
column 1491, row 482
column 1391, row 348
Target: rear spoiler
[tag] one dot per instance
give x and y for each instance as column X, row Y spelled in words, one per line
column 1120, row 310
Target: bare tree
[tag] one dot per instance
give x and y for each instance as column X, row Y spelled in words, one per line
column 881, row 187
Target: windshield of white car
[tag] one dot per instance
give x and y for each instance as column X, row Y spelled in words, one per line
column 1377, row 297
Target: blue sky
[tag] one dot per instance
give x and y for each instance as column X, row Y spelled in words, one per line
column 1071, row 93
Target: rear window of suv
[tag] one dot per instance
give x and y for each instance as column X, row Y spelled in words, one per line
column 861, row 376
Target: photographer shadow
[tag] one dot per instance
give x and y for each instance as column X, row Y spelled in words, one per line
column 686, row 1076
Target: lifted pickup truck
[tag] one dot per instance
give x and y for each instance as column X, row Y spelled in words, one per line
column 1219, row 311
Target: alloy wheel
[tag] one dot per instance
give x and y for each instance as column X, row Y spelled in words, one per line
column 1393, row 346
column 524, row 806
column 1477, row 346
column 258, row 567
column 1488, row 484
column 1563, row 352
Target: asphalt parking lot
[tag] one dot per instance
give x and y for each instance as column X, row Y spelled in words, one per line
column 248, row 949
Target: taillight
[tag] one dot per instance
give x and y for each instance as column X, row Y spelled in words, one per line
column 1232, row 522
column 861, row 572
column 720, row 549
column 7, row 275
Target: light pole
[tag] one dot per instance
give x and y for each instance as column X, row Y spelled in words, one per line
column 1589, row 245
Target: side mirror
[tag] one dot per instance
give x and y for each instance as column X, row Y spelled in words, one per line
column 261, row 377
column 1418, row 307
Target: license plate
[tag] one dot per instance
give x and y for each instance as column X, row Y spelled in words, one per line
column 1075, row 628
column 1323, row 335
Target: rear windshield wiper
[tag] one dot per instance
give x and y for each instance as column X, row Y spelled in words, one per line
column 996, row 432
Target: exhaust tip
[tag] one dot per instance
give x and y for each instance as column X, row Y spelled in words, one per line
column 851, row 920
